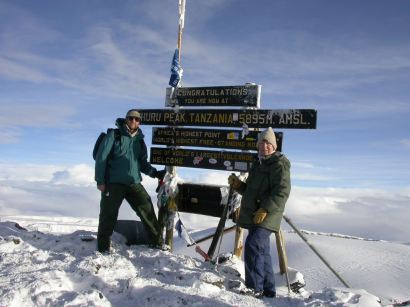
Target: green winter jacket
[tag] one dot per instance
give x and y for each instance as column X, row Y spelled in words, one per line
column 124, row 156
column 267, row 187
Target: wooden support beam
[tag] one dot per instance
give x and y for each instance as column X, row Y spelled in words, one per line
column 238, row 245
column 280, row 245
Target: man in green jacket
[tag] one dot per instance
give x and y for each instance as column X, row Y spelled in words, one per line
column 264, row 196
column 121, row 158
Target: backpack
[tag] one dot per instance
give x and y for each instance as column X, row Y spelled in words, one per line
column 101, row 137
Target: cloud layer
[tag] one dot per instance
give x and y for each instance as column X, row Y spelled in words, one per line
column 369, row 213
column 70, row 191
column 53, row 190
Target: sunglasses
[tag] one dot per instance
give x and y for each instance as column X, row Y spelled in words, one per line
column 131, row 118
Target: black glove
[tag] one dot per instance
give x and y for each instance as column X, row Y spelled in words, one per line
column 160, row 174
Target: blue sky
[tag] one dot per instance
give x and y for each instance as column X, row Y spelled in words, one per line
column 69, row 68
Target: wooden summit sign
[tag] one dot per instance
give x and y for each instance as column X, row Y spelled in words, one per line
column 231, row 139
column 292, row 118
column 247, row 95
column 209, row 159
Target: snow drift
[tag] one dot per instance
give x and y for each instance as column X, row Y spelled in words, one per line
column 63, row 269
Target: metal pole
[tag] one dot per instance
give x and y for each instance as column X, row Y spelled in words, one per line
column 315, row 251
column 221, row 225
column 226, row 217
column 226, row 230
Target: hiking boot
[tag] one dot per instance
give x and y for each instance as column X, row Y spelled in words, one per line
column 103, row 245
column 252, row 292
column 269, row 293
column 258, row 294
column 164, row 247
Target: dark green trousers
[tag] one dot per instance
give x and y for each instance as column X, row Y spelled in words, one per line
column 139, row 201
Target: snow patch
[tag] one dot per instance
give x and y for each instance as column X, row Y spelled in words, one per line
column 64, row 269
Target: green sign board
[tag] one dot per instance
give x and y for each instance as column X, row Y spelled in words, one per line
column 209, row 159
column 247, row 95
column 292, row 118
column 232, row 139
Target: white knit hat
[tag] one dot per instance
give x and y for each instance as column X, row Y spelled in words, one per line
column 267, row 135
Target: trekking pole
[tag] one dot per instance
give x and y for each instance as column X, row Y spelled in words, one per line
column 226, row 217
column 219, row 248
column 226, row 211
column 221, row 226
column 316, row 252
column 226, row 230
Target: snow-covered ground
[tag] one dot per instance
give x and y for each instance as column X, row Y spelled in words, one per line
column 52, row 263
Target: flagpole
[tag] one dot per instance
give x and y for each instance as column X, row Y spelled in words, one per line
column 176, row 69
column 181, row 26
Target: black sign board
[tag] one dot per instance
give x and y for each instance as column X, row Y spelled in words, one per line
column 222, row 96
column 209, row 159
column 200, row 199
column 232, row 139
column 292, row 118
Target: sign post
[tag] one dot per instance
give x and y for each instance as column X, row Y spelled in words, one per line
column 237, row 144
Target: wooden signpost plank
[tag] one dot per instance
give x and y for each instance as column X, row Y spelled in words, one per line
column 247, row 95
column 288, row 118
column 216, row 138
column 208, row 159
